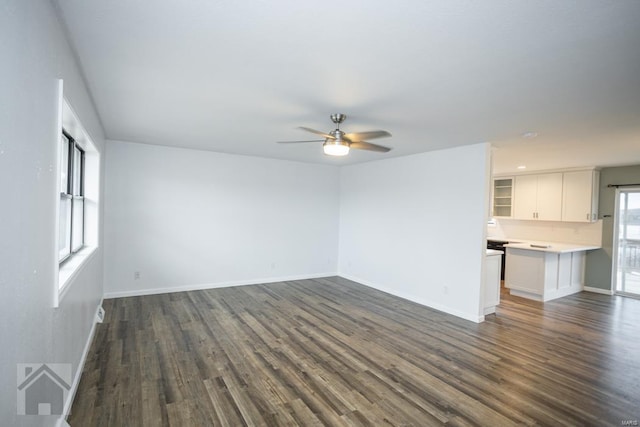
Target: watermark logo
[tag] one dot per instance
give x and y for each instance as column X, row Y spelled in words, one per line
column 43, row 388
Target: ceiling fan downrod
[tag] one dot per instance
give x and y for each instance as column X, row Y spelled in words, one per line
column 338, row 118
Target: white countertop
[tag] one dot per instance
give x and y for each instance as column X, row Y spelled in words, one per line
column 494, row 252
column 556, row 247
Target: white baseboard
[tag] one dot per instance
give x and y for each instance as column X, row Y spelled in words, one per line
column 598, row 290
column 559, row 293
column 202, row 286
column 412, row 298
column 525, row 294
column 76, row 379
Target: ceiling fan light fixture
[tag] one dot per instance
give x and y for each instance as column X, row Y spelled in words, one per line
column 338, row 143
column 335, row 148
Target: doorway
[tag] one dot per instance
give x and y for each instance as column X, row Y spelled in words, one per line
column 626, row 267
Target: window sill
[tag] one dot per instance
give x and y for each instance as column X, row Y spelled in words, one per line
column 71, row 268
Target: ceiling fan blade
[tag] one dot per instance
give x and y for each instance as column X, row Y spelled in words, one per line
column 361, row 136
column 363, row 145
column 294, row 142
column 317, row 132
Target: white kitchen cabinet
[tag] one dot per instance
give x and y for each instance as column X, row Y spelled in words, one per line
column 502, row 199
column 525, row 197
column 538, row 197
column 580, row 196
column 491, row 293
column 543, row 276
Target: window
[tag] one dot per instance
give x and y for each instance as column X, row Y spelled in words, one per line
column 78, row 199
column 71, row 238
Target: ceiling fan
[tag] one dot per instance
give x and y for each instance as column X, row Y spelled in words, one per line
column 338, row 143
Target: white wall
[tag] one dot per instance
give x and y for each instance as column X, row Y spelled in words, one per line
column 188, row 219
column 34, row 55
column 415, row 226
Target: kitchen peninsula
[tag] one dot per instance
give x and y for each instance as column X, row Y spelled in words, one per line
column 545, row 271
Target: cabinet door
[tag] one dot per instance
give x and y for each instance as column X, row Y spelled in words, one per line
column 525, row 271
column 549, row 204
column 577, row 196
column 525, row 197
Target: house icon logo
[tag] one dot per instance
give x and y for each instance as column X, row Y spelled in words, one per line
column 43, row 388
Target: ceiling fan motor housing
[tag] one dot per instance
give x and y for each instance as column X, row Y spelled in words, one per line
column 337, row 135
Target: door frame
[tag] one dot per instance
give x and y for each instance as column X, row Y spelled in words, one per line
column 616, row 243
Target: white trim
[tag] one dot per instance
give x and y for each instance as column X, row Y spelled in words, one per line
column 525, row 294
column 56, row 196
column 202, row 286
column 76, row 379
column 71, row 268
column 598, row 290
column 614, row 251
column 466, row 316
column 616, row 237
column 65, row 274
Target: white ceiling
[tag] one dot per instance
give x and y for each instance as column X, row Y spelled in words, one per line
column 236, row 76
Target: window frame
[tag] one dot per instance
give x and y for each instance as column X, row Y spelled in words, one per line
column 72, row 177
column 68, row 271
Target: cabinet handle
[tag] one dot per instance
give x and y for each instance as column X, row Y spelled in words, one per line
column 534, row 215
column 588, row 216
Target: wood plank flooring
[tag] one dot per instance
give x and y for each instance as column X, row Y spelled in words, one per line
column 333, row 352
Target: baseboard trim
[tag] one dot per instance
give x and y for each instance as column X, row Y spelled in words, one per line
column 412, row 298
column 598, row 290
column 203, row 286
column 76, row 379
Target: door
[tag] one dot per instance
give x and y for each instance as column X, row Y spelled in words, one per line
column 626, row 269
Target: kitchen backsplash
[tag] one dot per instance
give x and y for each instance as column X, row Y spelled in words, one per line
column 551, row 231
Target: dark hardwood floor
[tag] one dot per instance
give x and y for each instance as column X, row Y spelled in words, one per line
column 333, row 352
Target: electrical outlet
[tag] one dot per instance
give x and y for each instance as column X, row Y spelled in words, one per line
column 136, row 275
column 100, row 315
column 445, row 289
column 273, row 265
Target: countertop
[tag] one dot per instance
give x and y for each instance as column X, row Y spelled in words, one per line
column 555, row 247
column 493, row 252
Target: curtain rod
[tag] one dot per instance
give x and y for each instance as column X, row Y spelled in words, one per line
column 623, row 185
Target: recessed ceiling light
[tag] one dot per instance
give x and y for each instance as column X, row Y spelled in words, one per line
column 522, row 167
column 530, row 134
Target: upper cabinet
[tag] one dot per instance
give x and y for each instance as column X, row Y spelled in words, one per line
column 502, row 200
column 580, row 196
column 538, row 197
column 570, row 196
